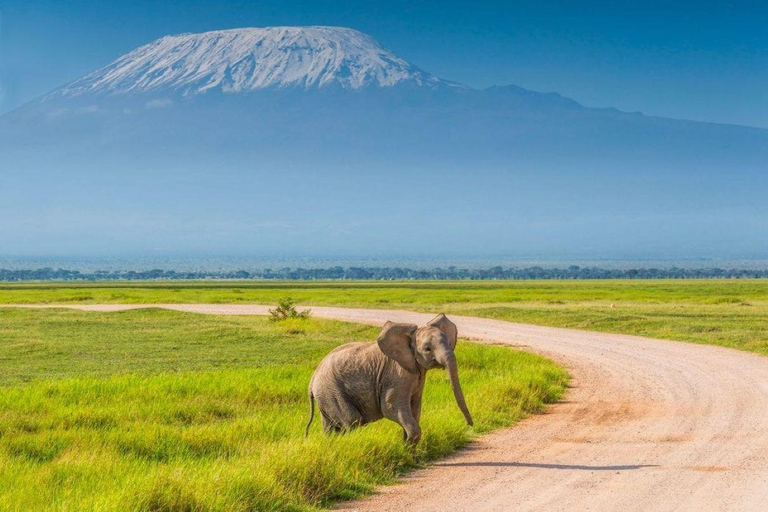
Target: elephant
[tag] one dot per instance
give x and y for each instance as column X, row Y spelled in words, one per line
column 359, row 383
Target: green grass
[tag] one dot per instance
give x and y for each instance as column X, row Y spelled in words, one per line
column 160, row 410
column 730, row 313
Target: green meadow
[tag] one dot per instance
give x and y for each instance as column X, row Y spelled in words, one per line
column 161, row 410
column 730, row 313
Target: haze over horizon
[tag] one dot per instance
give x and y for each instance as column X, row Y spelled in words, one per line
column 323, row 142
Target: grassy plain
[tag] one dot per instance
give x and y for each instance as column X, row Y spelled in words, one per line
column 161, row 410
column 731, row 313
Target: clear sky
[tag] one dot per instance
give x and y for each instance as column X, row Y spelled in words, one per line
column 701, row 60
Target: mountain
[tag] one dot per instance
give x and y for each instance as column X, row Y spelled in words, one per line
column 244, row 60
column 317, row 140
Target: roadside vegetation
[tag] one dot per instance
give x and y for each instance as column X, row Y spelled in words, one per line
column 730, row 313
column 161, row 410
column 286, row 310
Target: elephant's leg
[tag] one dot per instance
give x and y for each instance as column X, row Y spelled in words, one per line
column 338, row 415
column 348, row 415
column 353, row 419
column 329, row 426
column 404, row 417
column 412, row 428
column 415, row 412
column 416, row 408
column 396, row 406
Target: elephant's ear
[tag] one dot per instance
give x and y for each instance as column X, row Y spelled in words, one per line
column 395, row 341
column 449, row 328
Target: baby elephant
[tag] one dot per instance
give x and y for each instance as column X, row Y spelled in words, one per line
column 359, row 383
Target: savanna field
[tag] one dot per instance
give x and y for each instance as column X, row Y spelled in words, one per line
column 162, row 410
column 727, row 312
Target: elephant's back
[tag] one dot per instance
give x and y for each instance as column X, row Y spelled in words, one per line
column 349, row 347
column 342, row 361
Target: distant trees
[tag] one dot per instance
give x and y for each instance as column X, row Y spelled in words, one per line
column 383, row 273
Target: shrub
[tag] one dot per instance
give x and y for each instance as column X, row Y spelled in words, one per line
column 285, row 309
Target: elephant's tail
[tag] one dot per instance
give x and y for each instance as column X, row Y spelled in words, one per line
column 311, row 412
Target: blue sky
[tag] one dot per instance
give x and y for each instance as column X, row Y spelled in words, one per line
column 700, row 60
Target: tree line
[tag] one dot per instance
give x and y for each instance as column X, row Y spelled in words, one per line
column 384, row 274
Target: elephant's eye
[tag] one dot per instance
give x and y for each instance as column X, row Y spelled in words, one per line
column 427, row 349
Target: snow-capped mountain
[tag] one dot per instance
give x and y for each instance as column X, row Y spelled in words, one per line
column 291, row 138
column 249, row 59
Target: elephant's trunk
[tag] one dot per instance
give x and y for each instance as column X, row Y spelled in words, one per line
column 453, row 374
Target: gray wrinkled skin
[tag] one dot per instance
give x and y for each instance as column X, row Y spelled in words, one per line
column 359, row 383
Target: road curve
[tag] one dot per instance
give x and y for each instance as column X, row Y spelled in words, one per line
column 648, row 425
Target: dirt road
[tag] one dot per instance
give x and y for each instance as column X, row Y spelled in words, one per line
column 648, row 425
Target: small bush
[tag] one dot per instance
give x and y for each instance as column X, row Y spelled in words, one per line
column 285, row 309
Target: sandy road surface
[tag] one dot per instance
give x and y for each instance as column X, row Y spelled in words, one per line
column 648, row 425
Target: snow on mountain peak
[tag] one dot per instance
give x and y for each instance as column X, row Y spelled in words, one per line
column 241, row 60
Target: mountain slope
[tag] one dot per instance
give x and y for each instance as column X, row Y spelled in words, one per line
column 242, row 60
